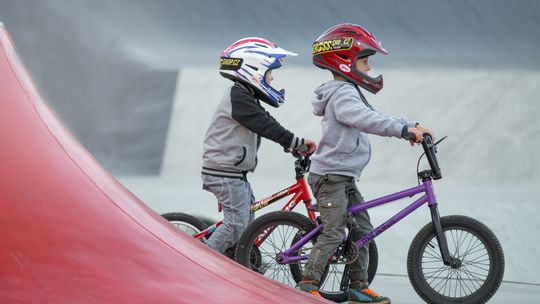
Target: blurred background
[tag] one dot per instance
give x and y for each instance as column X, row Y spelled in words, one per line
column 137, row 82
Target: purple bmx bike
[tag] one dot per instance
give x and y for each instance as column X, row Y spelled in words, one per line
column 452, row 259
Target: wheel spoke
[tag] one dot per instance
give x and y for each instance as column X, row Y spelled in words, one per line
column 468, row 277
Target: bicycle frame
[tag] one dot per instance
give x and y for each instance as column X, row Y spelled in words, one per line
column 471, row 275
column 288, row 257
column 299, row 192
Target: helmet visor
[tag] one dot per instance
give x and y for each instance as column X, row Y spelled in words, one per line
column 274, row 80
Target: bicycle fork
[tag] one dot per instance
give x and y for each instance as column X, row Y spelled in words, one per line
column 441, row 237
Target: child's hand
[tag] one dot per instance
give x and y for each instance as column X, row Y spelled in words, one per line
column 307, row 147
column 312, row 146
column 418, row 135
column 424, row 130
column 419, row 132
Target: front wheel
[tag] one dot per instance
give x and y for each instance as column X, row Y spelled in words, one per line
column 185, row 222
column 475, row 272
column 284, row 229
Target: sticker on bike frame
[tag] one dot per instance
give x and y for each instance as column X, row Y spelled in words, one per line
column 267, row 201
column 332, row 45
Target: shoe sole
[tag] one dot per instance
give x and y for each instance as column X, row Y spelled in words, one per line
column 381, row 302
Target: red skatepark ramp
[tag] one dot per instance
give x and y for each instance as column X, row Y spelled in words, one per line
column 70, row 233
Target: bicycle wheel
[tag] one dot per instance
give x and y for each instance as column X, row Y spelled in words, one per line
column 283, row 227
column 475, row 273
column 185, row 222
column 286, row 228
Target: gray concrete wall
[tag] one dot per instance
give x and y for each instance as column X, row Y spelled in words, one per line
column 109, row 68
column 492, row 129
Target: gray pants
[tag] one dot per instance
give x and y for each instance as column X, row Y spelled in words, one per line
column 235, row 196
column 334, row 193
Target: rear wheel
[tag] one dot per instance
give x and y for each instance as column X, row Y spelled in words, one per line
column 193, row 225
column 284, row 229
column 185, row 222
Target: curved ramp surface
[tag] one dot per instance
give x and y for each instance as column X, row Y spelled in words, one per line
column 70, row 233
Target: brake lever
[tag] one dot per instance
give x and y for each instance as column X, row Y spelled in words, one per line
column 440, row 140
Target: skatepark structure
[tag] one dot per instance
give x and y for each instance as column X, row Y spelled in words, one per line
column 136, row 83
column 71, row 233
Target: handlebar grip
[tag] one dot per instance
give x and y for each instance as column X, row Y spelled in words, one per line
column 410, row 136
column 302, row 148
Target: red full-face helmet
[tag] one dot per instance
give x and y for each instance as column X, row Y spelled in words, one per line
column 338, row 48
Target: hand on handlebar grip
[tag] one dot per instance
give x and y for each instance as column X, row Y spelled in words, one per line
column 307, row 148
column 414, row 135
column 424, row 130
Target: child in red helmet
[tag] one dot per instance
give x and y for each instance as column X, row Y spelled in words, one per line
column 234, row 135
column 344, row 149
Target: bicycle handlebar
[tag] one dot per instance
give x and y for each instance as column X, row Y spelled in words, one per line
column 430, row 150
column 410, row 136
column 302, row 163
column 427, row 144
column 301, row 149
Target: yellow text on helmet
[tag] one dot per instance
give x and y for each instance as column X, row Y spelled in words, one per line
column 332, row 45
column 228, row 63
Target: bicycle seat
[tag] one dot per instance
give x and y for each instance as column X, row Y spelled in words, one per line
column 314, row 207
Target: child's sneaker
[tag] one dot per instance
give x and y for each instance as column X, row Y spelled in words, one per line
column 309, row 286
column 360, row 293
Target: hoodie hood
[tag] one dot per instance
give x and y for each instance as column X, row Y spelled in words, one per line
column 323, row 94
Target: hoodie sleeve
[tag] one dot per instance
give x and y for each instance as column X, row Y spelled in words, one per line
column 248, row 113
column 403, row 120
column 350, row 110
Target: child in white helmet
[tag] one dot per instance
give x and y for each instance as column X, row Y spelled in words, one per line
column 233, row 137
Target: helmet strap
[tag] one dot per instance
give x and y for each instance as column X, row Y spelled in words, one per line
column 364, row 100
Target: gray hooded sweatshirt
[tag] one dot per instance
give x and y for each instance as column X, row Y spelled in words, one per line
column 347, row 119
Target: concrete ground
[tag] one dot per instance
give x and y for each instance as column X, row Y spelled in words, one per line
column 399, row 290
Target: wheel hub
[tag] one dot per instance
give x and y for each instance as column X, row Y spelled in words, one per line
column 455, row 263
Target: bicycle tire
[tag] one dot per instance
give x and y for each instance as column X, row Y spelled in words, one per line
column 373, row 262
column 461, row 232
column 185, row 222
column 302, row 224
column 194, row 225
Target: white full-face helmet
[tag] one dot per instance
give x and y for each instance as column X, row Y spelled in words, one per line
column 248, row 60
